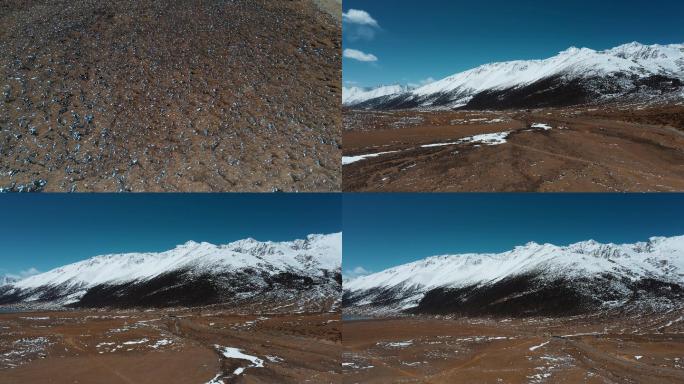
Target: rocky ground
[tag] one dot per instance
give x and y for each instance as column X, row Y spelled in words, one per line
column 621, row 148
column 595, row 349
column 169, row 346
column 333, row 7
column 162, row 95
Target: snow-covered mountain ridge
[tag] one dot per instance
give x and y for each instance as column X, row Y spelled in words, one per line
column 573, row 76
column 356, row 95
column 235, row 267
column 403, row 287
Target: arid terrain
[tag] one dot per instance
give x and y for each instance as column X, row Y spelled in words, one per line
column 166, row 95
column 207, row 345
column 618, row 348
column 621, row 148
column 333, row 7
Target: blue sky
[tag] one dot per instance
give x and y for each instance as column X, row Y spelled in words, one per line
column 414, row 41
column 385, row 230
column 44, row 231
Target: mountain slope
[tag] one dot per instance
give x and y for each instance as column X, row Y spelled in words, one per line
column 192, row 274
column 357, row 95
column 575, row 76
column 530, row 280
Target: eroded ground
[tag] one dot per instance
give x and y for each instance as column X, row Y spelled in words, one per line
column 627, row 148
column 185, row 346
column 621, row 349
column 163, row 95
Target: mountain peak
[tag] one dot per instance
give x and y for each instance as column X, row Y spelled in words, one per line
column 355, row 95
column 632, row 45
column 188, row 244
column 246, row 242
column 243, row 262
column 531, row 244
column 579, row 259
column 190, row 255
column 514, row 280
column 576, row 51
column 587, row 67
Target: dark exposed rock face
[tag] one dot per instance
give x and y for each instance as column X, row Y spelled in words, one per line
column 529, row 295
column 185, row 288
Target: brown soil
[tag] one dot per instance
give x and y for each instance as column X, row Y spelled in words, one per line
column 333, row 7
column 586, row 150
column 169, row 96
column 641, row 349
column 167, row 347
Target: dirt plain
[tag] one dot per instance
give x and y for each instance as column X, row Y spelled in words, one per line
column 166, row 95
column 168, row 346
column 584, row 149
column 594, row 349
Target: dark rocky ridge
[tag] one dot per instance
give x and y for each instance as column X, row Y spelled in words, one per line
column 553, row 91
column 529, row 296
column 187, row 289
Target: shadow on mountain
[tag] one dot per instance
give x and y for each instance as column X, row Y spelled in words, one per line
column 555, row 91
column 527, row 296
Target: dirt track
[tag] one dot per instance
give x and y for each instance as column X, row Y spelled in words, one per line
column 167, row 347
column 643, row 349
column 584, row 150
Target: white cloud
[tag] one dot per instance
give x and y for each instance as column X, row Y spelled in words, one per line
column 423, row 82
column 355, row 272
column 359, row 25
column 360, row 32
column 23, row 274
column 29, row 272
column 357, row 16
column 355, row 54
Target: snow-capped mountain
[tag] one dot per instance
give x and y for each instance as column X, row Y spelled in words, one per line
column 575, row 76
column 192, row 274
column 357, row 95
column 530, row 279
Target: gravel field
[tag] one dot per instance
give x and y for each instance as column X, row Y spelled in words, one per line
column 162, row 95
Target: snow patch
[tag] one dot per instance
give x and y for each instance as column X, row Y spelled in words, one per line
column 235, row 353
column 346, row 160
column 440, row 144
column 539, row 346
column 216, row 380
column 497, row 138
column 161, row 343
column 487, row 138
column 543, row 126
column 398, row 344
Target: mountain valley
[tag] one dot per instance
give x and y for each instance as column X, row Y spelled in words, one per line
column 583, row 313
